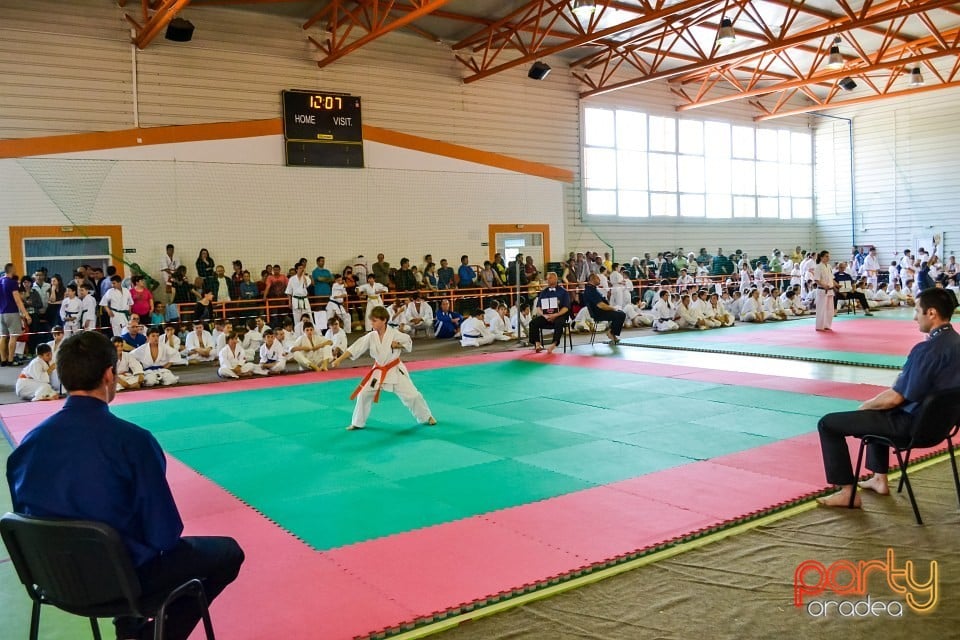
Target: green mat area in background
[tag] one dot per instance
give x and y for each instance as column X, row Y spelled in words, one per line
column 510, row 433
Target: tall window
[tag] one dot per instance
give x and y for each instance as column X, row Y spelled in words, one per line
column 642, row 166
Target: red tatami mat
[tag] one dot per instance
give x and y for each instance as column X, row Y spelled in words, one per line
column 287, row 590
column 864, row 335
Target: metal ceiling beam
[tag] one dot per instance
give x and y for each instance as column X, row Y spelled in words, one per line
column 163, row 13
column 831, row 76
column 780, row 44
column 549, row 10
column 827, row 105
column 374, row 17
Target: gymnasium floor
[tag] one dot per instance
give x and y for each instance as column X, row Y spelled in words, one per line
column 542, row 469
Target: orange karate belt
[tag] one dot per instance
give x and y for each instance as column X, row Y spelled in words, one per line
column 376, row 367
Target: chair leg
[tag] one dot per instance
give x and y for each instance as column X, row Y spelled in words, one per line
column 205, row 613
column 903, row 465
column 35, row 620
column 96, row 629
column 856, row 473
column 906, row 481
column 953, row 463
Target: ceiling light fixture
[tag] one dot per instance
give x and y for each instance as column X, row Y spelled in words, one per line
column 538, row 70
column 847, row 84
column 916, row 78
column 583, row 9
column 836, row 60
column 725, row 34
column 179, row 30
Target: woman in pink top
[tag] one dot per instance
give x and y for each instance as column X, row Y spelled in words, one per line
column 142, row 298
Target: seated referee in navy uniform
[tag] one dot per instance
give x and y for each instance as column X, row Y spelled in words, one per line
column 554, row 304
column 933, row 365
column 600, row 309
column 83, row 463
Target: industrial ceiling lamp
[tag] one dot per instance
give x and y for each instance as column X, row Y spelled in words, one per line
column 725, row 34
column 583, row 9
column 538, row 70
column 847, row 84
column 836, row 60
column 916, row 78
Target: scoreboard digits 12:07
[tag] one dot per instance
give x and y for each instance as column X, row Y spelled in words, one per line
column 322, row 129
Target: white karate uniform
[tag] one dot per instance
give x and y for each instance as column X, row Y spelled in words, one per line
column 396, row 317
column 824, row 278
column 250, row 344
column 689, row 317
column 33, row 382
column 274, row 359
column 637, row 317
column 70, row 316
column 87, row 318
column 524, row 329
column 119, row 301
column 663, row 316
column 207, row 342
column 313, row 357
column 500, row 329
column 619, row 297
column 724, row 317
column 154, row 371
column 128, row 369
column 336, row 305
column 807, row 273
column 299, row 300
column 750, row 309
column 339, row 340
column 425, row 313
column 232, row 358
column 907, row 271
column 871, row 267
column 771, row 307
column 374, row 299
column 396, row 379
column 473, row 333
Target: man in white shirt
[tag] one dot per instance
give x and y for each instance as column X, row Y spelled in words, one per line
column 871, row 267
column 117, row 301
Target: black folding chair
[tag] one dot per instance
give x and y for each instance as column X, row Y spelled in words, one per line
column 84, row 568
column 938, row 420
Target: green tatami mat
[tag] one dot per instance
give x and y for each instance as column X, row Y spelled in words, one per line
column 510, row 433
column 699, row 341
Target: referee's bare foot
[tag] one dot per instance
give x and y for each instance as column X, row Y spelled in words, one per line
column 877, row 484
column 840, row 499
column 432, row 421
column 354, row 427
column 551, row 348
column 537, row 348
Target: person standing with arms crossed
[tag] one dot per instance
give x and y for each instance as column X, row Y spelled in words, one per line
column 825, row 291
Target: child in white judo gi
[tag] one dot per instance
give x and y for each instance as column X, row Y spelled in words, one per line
column 33, row 383
column 385, row 345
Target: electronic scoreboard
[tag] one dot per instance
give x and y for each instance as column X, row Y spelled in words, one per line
column 322, row 129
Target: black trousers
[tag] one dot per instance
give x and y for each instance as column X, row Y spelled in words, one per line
column 539, row 323
column 851, row 295
column 214, row 560
column 615, row 318
column 835, row 427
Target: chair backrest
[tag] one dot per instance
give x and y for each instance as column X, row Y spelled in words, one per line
column 71, row 564
column 938, row 414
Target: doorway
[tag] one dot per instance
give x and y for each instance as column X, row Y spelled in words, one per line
column 529, row 239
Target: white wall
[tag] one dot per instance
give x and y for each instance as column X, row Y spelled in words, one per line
column 68, row 67
column 269, row 213
column 906, row 166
